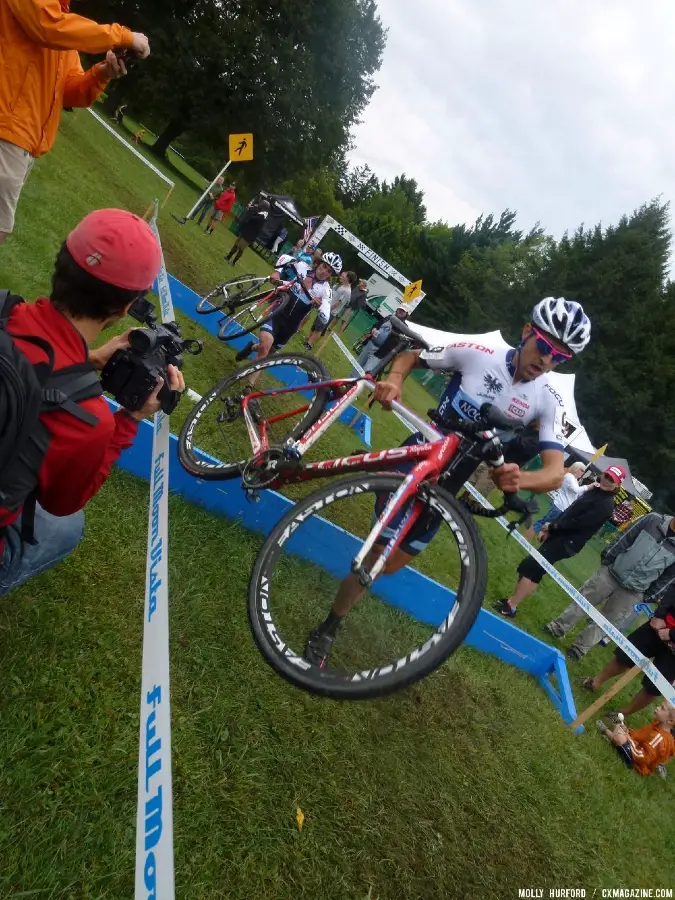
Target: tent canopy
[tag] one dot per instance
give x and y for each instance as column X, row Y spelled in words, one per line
column 563, row 384
column 286, row 205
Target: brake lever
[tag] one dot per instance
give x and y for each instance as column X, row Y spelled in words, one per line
column 527, row 509
column 512, row 503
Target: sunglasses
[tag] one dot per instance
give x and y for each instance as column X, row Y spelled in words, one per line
column 546, row 348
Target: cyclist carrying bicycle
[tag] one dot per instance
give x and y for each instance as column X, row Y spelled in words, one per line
column 311, row 289
column 514, row 380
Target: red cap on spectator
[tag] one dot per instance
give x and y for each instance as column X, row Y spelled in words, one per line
column 117, row 247
column 616, row 473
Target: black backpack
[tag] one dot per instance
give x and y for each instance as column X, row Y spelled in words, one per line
column 26, row 392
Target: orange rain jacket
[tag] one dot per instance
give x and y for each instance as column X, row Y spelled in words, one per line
column 40, row 70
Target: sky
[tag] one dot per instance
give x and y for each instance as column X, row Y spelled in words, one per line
column 564, row 112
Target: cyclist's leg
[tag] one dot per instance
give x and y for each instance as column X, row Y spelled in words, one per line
column 350, row 591
column 265, row 346
column 318, row 328
column 321, row 639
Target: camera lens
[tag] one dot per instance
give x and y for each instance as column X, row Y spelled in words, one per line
column 140, row 340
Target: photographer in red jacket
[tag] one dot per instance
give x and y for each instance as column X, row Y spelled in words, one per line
column 110, row 260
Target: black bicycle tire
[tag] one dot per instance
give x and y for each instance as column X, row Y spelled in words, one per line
column 322, row 682
column 281, row 305
column 210, row 472
column 218, row 289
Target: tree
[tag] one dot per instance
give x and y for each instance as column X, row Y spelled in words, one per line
column 409, row 188
column 355, row 186
column 297, row 75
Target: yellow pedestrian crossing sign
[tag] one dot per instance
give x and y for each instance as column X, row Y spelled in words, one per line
column 241, row 147
column 412, row 292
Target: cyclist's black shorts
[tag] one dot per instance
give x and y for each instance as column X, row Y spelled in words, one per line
column 284, row 325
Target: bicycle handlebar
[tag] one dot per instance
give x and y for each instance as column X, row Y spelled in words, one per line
column 404, row 330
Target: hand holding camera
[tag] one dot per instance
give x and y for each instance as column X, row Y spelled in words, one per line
column 141, row 368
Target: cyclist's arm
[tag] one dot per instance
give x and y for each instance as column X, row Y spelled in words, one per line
column 551, row 422
column 390, row 389
column 450, row 358
column 549, row 477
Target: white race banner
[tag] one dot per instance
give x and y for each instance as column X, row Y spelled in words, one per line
column 154, row 814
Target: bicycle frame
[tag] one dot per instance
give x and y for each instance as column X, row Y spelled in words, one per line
column 429, row 460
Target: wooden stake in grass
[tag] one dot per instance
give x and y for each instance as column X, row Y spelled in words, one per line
column 606, row 697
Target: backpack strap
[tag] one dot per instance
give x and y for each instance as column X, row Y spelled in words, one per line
column 42, row 370
column 68, row 387
column 7, row 303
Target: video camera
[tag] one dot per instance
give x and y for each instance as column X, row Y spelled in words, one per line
column 131, row 374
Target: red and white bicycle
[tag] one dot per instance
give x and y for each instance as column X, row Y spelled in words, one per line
column 258, row 425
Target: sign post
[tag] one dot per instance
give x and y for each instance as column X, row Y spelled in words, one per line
column 240, row 150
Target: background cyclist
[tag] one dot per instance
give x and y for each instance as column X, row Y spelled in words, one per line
column 316, row 284
column 512, row 379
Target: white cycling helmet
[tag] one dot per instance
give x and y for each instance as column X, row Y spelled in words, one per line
column 334, row 260
column 564, row 320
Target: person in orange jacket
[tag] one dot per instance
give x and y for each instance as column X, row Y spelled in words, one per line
column 41, row 74
column 645, row 749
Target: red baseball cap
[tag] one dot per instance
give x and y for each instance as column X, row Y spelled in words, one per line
column 616, row 473
column 117, row 247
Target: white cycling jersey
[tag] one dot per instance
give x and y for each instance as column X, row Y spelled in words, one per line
column 484, row 374
column 319, row 290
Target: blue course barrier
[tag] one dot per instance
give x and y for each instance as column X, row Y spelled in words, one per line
column 186, row 300
column 419, row 596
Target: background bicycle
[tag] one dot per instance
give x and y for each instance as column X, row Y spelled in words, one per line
column 247, row 302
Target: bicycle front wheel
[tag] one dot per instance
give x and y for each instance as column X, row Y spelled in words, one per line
column 214, row 442
column 403, row 627
column 230, row 292
column 260, row 309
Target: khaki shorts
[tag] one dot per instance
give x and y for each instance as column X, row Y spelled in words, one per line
column 15, row 165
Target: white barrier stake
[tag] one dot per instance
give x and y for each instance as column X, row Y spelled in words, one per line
column 219, row 175
column 137, row 153
column 154, row 814
column 350, row 356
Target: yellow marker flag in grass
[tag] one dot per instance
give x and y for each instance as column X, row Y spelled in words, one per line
column 300, row 818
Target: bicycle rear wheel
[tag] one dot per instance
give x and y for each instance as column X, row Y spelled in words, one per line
column 214, row 442
column 232, row 291
column 261, row 308
column 402, row 629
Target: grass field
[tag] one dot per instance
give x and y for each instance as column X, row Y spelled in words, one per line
column 466, row 786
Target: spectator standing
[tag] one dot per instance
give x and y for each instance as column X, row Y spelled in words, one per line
column 623, row 513
column 655, row 640
column 206, row 203
column 342, row 293
column 107, row 262
column 279, row 239
column 120, row 112
column 381, row 341
column 222, row 206
column 563, row 498
column 40, row 74
column 639, row 565
column 252, row 223
column 566, row 536
column 357, row 302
